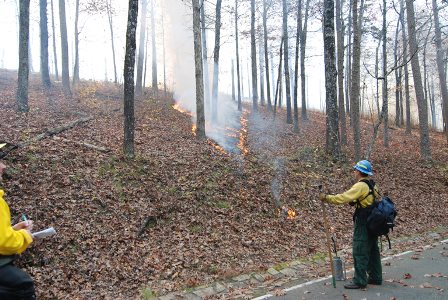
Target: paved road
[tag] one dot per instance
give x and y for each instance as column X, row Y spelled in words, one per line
column 409, row 276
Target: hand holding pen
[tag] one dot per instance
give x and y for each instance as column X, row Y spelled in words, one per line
column 25, row 224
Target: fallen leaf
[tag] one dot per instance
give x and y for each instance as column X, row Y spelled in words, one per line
column 279, row 292
column 407, row 276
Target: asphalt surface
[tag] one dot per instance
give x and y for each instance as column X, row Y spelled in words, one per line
column 421, row 274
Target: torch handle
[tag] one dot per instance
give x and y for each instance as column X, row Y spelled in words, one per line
column 327, row 233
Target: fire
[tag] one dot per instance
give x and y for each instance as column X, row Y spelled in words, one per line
column 243, row 134
column 288, row 212
column 177, row 107
column 217, row 147
column 193, row 129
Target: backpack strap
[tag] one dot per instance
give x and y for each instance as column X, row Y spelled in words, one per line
column 371, row 185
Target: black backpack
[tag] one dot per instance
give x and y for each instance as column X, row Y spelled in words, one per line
column 381, row 219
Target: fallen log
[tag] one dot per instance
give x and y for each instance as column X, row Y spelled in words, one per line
column 91, row 146
column 53, row 131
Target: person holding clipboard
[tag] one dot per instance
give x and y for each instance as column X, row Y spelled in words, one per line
column 14, row 282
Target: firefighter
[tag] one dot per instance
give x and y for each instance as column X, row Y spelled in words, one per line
column 14, row 283
column 366, row 254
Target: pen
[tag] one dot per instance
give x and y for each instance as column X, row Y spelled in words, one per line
column 25, row 219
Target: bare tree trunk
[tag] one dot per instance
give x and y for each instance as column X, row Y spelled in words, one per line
column 253, row 51
column 216, row 61
column 141, row 49
column 266, row 57
column 302, row 60
column 44, row 71
column 128, row 74
column 440, row 64
column 286, row 59
column 385, row 109
column 164, row 54
column 23, row 72
column 425, row 149
column 75, row 78
column 425, row 68
column 279, row 78
column 296, row 66
column 260, row 60
column 348, row 77
column 332, row 141
column 154, row 49
column 64, row 49
column 54, row 43
column 204, row 56
column 340, row 59
column 355, row 86
column 397, row 77
column 233, row 81
column 237, row 57
column 406, row 71
column 433, row 104
column 200, row 115
column 111, row 27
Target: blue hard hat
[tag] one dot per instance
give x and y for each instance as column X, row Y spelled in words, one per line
column 364, row 166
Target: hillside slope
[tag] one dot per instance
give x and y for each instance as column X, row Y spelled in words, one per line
column 209, row 214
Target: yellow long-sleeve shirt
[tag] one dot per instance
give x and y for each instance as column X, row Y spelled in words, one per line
column 358, row 191
column 11, row 241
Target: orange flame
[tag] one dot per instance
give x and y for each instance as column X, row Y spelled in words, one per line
column 193, row 129
column 288, row 212
column 243, row 134
column 177, row 107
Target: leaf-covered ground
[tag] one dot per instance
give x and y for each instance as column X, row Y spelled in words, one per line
column 209, row 214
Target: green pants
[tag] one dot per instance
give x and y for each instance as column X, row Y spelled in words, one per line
column 366, row 255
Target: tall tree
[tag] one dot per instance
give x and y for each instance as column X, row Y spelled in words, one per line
column 348, row 57
column 164, row 54
column 253, row 52
column 296, row 65
column 266, row 51
column 422, row 105
column 286, row 59
column 302, row 60
column 76, row 66
column 237, row 51
column 340, row 64
column 55, row 55
column 440, row 64
column 260, row 59
column 200, row 114
column 216, row 61
column 128, row 75
column 23, row 73
column 332, row 134
column 64, row 49
column 355, row 80
column 204, row 56
column 385, row 110
column 44, row 70
column 233, row 80
column 141, row 49
column 406, row 71
column 154, row 48
column 397, row 71
column 110, row 15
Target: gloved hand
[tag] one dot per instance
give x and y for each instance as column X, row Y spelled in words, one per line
column 322, row 196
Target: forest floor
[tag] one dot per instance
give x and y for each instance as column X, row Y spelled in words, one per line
column 209, row 214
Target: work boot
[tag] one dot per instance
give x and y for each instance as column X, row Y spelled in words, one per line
column 353, row 286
